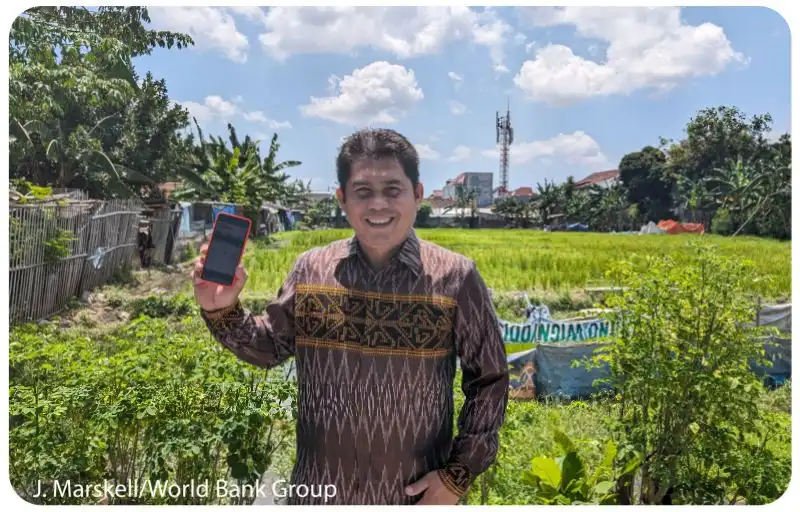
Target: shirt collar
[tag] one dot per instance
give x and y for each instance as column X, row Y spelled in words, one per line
column 408, row 254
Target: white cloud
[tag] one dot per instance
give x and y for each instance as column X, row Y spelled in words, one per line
column 457, row 79
column 426, row 152
column 251, row 12
column 460, row 153
column 575, row 148
column 403, row 31
column 377, row 93
column 647, row 48
column 530, row 46
column 216, row 108
column 457, row 108
column 258, row 116
column 520, row 38
column 212, row 29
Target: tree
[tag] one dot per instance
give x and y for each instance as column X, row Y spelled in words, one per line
column 713, row 136
column 149, row 141
column 547, row 200
column 643, row 175
column 234, row 174
column 70, row 75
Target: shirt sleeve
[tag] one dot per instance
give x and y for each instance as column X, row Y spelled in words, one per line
column 484, row 382
column 264, row 340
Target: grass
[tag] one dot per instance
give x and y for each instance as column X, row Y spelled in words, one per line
column 554, row 265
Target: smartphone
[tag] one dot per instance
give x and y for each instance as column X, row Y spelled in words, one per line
column 225, row 250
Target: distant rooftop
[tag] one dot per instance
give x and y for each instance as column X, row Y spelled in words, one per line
column 598, row 177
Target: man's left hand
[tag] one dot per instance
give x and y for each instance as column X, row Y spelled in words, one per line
column 435, row 491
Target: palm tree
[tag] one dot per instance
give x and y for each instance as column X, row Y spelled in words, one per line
column 547, row 200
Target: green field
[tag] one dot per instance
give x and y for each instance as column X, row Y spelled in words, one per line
column 535, row 261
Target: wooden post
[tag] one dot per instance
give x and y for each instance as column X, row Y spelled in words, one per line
column 758, row 313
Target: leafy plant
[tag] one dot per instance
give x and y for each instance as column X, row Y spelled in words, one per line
column 566, row 480
column 679, row 358
column 152, row 401
column 162, row 306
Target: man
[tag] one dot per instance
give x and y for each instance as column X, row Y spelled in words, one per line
column 375, row 324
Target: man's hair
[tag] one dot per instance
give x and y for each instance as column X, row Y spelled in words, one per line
column 377, row 144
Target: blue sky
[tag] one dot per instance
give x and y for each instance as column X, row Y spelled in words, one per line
column 586, row 85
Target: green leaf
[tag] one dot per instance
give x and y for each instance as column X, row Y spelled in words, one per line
column 547, row 471
column 572, row 469
column 563, row 441
column 604, row 487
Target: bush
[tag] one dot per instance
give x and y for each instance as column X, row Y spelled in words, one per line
column 679, row 358
column 722, row 223
column 163, row 306
column 149, row 402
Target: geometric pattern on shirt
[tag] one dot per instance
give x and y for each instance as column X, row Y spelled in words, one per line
column 374, row 323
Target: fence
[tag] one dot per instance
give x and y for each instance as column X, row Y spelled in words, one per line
column 59, row 251
column 165, row 224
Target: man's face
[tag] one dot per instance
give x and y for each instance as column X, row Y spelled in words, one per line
column 380, row 203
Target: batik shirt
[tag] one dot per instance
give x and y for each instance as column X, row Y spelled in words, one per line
column 376, row 354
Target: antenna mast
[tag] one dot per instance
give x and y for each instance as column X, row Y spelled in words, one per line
column 505, row 137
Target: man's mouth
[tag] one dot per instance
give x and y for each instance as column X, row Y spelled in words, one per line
column 379, row 222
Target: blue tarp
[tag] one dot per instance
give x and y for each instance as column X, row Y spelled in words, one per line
column 227, row 208
column 186, row 218
column 554, row 375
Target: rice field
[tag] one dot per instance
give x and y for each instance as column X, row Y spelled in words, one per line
column 535, row 261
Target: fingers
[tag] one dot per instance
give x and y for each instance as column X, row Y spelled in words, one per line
column 418, row 486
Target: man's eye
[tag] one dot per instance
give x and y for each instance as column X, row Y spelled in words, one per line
column 394, row 191
column 362, row 193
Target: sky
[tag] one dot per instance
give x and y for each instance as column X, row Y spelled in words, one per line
column 585, row 85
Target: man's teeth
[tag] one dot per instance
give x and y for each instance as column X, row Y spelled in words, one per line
column 380, row 222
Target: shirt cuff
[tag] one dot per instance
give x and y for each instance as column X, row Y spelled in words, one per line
column 456, row 477
column 224, row 316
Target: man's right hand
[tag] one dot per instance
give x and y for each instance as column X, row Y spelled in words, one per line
column 212, row 296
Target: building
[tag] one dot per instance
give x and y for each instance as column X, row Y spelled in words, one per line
column 482, row 182
column 523, row 194
column 315, row 197
column 603, row 179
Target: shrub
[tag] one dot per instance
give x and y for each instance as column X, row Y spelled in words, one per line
column 679, row 358
column 149, row 402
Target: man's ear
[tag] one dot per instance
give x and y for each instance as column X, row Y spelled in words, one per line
column 419, row 193
column 340, row 196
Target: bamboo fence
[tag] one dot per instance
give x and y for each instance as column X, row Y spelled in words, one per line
column 60, row 250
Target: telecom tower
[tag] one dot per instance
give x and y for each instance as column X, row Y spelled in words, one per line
column 505, row 137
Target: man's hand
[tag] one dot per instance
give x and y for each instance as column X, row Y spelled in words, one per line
column 211, row 296
column 435, row 491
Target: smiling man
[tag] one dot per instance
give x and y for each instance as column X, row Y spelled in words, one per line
column 376, row 324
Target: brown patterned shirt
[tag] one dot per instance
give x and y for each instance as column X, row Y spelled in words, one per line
column 376, row 360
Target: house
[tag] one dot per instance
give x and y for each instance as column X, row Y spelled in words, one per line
column 603, row 179
column 481, row 182
column 523, row 193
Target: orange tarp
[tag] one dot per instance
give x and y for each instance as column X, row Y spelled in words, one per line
column 675, row 228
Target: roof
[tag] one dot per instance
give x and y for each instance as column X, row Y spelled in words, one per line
column 524, row 191
column 459, row 180
column 598, row 177
column 438, row 193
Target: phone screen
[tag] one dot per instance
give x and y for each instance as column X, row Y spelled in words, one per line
column 225, row 249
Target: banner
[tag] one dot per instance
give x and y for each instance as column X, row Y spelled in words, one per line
column 539, row 327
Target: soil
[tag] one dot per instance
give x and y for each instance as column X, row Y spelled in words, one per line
column 104, row 307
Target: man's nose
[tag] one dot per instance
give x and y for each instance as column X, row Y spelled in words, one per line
column 378, row 202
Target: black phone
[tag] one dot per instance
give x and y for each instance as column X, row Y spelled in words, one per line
column 225, row 250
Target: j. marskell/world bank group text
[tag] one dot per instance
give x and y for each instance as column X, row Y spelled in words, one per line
column 193, row 489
